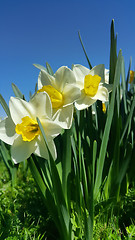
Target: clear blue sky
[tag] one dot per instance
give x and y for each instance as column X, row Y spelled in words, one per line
column 37, row 31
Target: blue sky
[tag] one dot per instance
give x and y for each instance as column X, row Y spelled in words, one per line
column 37, row 31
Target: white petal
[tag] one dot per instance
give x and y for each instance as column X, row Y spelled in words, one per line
column 84, row 102
column 51, row 128
column 21, row 150
column 80, row 70
column 64, row 116
column 7, row 131
column 44, row 78
column 107, row 76
column 108, row 86
column 98, row 70
column 80, row 73
column 19, row 109
column 63, row 76
column 42, row 151
column 41, row 105
column 102, row 94
column 70, row 93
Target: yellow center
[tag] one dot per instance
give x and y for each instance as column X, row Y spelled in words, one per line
column 91, row 84
column 29, row 129
column 55, row 96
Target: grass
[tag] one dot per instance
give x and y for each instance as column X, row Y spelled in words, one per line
column 22, row 212
column 23, row 215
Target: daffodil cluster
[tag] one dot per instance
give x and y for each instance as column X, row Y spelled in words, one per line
column 53, row 104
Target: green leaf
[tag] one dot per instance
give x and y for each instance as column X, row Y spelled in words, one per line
column 66, row 162
column 113, row 54
column 17, row 91
column 128, row 75
column 37, row 176
column 65, row 224
column 125, row 164
column 103, row 148
column 49, row 69
column 11, row 167
column 128, row 122
column 36, row 87
column 124, row 93
column 40, row 67
column 94, row 159
column 4, row 105
column 84, row 50
column 48, row 198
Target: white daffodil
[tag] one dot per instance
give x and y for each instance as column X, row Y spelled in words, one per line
column 22, row 131
column 62, row 90
column 92, row 85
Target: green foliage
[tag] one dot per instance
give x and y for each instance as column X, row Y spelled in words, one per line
column 22, row 211
column 23, row 214
column 11, row 167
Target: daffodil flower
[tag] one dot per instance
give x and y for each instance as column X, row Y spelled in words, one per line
column 62, row 90
column 92, row 85
column 22, row 132
column 132, row 75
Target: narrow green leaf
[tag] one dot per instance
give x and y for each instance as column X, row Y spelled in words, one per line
column 37, row 176
column 89, row 227
column 125, row 164
column 46, row 193
column 49, row 69
column 124, row 93
column 94, row 159
column 107, row 185
column 128, row 75
column 84, row 50
column 113, row 54
column 6, row 156
column 36, row 87
column 66, row 160
column 40, row 67
column 85, row 180
column 17, row 91
column 127, row 125
column 4, row 105
column 11, row 167
column 102, row 154
column 58, row 193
